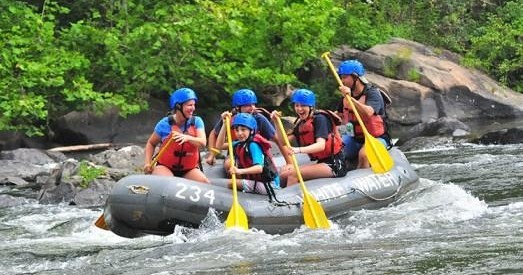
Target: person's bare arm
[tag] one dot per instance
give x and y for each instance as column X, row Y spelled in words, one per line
column 150, row 145
column 211, row 146
column 220, row 139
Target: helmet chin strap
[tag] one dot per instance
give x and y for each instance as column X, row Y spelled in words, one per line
column 353, row 83
column 311, row 110
column 179, row 107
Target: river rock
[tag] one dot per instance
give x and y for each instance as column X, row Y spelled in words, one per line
column 504, row 136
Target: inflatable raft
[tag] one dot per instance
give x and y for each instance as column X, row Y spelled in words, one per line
column 147, row 204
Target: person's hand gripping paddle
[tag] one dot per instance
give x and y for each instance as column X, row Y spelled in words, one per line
column 313, row 214
column 379, row 158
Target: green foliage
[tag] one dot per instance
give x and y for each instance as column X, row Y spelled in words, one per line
column 393, row 63
column 89, row 172
column 362, row 25
column 263, row 43
column 91, row 55
column 40, row 76
column 497, row 47
column 413, row 75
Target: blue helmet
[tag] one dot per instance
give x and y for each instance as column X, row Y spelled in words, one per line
column 243, row 97
column 181, row 96
column 352, row 67
column 246, row 120
column 304, row 97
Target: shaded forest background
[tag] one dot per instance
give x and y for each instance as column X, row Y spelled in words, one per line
column 59, row 56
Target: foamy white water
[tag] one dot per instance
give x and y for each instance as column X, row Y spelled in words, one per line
column 466, row 217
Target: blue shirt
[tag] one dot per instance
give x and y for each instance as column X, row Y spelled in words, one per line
column 163, row 128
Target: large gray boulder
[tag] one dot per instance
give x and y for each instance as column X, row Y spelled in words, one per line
column 426, row 84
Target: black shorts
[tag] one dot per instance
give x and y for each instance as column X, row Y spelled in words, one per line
column 177, row 173
column 337, row 164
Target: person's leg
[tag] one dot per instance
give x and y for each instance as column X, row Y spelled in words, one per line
column 351, row 148
column 363, row 161
column 250, row 186
column 284, row 173
column 197, row 175
column 162, row 171
column 227, row 165
column 311, row 171
column 239, row 184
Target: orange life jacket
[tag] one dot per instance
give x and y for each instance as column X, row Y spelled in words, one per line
column 180, row 157
column 374, row 124
column 304, row 133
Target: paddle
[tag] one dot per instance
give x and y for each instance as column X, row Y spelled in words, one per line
column 379, row 158
column 237, row 217
column 313, row 213
column 100, row 222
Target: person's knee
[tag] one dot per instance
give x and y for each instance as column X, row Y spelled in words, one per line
column 361, row 153
column 162, row 171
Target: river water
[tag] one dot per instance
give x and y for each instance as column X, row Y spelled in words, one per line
column 466, row 217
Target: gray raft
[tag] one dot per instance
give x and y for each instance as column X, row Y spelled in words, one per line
column 147, row 204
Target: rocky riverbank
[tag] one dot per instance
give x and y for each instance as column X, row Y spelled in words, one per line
column 53, row 177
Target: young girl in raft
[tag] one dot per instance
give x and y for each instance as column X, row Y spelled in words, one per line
column 254, row 168
column 316, row 135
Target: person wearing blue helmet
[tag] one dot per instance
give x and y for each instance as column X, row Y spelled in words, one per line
column 244, row 101
column 370, row 102
column 316, row 135
column 180, row 135
column 254, row 168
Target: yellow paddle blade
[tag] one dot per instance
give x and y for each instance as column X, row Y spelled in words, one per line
column 237, row 218
column 313, row 213
column 100, row 223
column 379, row 158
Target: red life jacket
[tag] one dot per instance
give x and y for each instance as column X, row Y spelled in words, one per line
column 375, row 124
column 304, row 132
column 244, row 159
column 180, row 157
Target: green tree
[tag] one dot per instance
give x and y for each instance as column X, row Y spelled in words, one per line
column 59, row 56
column 497, row 47
column 40, row 78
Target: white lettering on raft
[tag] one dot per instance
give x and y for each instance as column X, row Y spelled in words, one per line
column 366, row 184
column 375, row 182
column 193, row 193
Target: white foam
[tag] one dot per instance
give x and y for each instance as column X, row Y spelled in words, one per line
column 433, row 206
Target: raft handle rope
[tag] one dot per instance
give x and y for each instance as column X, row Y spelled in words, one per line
column 139, row 189
column 284, row 203
column 381, row 199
